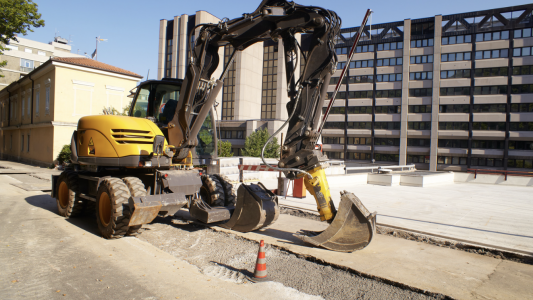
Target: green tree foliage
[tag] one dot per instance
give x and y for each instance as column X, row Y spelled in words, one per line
column 113, row 111
column 17, row 17
column 255, row 142
column 64, row 155
column 224, row 149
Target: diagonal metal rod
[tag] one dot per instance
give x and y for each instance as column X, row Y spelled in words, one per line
column 349, row 59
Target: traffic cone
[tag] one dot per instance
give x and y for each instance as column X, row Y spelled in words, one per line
column 260, row 273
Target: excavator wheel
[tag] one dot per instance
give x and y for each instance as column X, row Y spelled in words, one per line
column 230, row 192
column 68, row 203
column 136, row 188
column 212, row 190
column 111, row 194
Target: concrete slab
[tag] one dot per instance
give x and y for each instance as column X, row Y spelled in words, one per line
column 33, row 187
column 422, row 266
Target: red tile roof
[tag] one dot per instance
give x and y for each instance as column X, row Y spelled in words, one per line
column 91, row 63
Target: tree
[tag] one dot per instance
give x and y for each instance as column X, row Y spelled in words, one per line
column 113, row 111
column 17, row 16
column 224, row 149
column 64, row 154
column 255, row 142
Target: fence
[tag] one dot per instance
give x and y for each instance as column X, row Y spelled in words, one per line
column 409, row 168
column 499, row 172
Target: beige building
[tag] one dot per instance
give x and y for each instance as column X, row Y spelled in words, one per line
column 39, row 112
column 24, row 55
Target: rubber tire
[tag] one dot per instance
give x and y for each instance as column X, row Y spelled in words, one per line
column 230, row 194
column 136, row 188
column 214, row 190
column 118, row 194
column 75, row 205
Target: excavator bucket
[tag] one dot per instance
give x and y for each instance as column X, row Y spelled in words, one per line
column 257, row 207
column 352, row 228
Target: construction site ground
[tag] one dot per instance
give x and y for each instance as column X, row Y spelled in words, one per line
column 45, row 256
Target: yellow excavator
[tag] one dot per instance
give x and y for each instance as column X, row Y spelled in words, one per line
column 130, row 169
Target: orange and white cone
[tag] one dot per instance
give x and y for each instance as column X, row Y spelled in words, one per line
column 260, row 273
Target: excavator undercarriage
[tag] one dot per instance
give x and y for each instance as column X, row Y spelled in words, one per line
column 134, row 168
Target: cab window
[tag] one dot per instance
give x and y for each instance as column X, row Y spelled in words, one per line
column 141, row 104
column 166, row 101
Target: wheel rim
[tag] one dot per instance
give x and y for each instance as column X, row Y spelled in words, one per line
column 63, row 194
column 104, row 209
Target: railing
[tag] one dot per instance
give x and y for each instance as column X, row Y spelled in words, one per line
column 26, row 69
column 402, row 167
column 499, row 172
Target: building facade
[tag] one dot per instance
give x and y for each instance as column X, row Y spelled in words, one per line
column 444, row 92
column 24, row 55
column 39, row 112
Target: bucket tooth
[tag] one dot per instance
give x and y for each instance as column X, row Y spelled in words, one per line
column 352, row 229
column 256, row 207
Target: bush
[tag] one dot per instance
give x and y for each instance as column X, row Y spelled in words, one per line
column 224, row 149
column 64, row 155
column 255, row 142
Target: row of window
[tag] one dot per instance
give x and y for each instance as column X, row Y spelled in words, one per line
column 421, row 59
column 494, row 126
column 459, row 39
column 420, row 92
column 442, row 143
column 395, row 61
column 419, row 142
column 456, row 56
column 524, row 51
column 420, row 75
column 390, row 46
column 386, row 142
column 492, row 36
column 419, row 109
column 389, row 77
column 419, row 125
column 26, row 108
column 387, row 109
column 350, row 140
column 422, row 43
column 231, row 134
column 488, row 54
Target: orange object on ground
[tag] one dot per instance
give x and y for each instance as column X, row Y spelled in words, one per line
column 260, row 273
column 299, row 190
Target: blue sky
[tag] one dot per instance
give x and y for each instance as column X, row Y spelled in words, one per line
column 132, row 27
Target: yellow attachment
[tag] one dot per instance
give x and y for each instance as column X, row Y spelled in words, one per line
column 186, row 162
column 319, row 188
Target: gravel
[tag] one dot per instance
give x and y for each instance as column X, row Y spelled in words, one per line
column 232, row 258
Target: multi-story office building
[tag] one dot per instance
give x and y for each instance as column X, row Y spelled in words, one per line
column 444, row 92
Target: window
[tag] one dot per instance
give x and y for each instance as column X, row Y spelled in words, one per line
column 395, row 61
column 47, row 101
column 334, row 110
column 228, row 133
column 342, row 50
column 423, row 159
column 419, row 108
column 359, row 141
column 520, row 145
column 522, row 107
column 42, row 53
column 476, row 144
column 422, row 28
column 228, row 90
column 419, row 125
column 360, row 110
column 168, row 59
column 494, row 126
column 364, row 48
column 489, row 108
column 28, row 50
column 361, row 79
column 387, row 125
column 523, row 70
column 22, row 107
column 354, row 94
column 521, row 126
column 459, row 39
column 453, row 143
column 454, row 108
column 334, row 155
column 21, row 143
column 524, row 51
column 419, row 142
column 453, row 125
column 270, row 74
column 28, row 111
column 488, row 162
column 522, row 89
column 492, row 36
column 389, row 77
column 520, row 163
column 522, row 33
column 451, row 160
column 455, row 74
column 333, row 140
column 28, row 144
column 11, row 47
column 386, row 142
column 359, row 125
column 490, row 72
column 390, row 46
column 387, row 157
column 26, row 65
column 422, row 59
column 455, row 56
column 455, row 91
column 341, row 65
column 420, row 92
column 388, row 109
column 487, row 54
column 334, row 125
column 388, row 93
column 37, row 98
column 490, row 90
column 358, row 156
column 422, row 43
column 420, row 75
column 362, row 64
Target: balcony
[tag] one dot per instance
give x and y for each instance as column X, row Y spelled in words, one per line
column 26, row 69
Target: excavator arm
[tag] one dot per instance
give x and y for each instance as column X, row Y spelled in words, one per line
column 352, row 226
